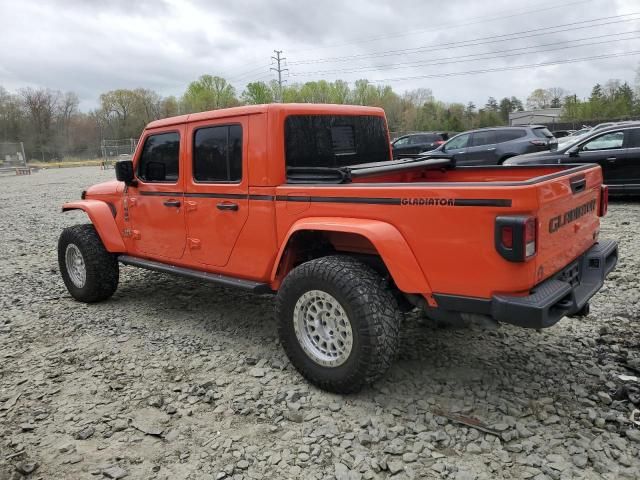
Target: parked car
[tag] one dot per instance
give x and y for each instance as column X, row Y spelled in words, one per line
column 303, row 201
column 615, row 148
column 415, row 143
column 562, row 133
column 491, row 146
column 582, row 131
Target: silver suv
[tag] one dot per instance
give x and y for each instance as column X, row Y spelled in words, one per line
column 492, row 146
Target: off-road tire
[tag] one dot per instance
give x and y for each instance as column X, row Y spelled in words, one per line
column 372, row 311
column 101, row 267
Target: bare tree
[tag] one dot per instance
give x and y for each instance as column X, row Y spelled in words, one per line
column 556, row 94
column 419, row 96
column 67, row 107
column 41, row 105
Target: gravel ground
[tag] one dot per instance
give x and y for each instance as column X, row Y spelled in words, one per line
column 174, row 379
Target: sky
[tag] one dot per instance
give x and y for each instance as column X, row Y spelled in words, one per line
column 460, row 49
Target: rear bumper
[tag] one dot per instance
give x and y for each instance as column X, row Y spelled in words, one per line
column 563, row 294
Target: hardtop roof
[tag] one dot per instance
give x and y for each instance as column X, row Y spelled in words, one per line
column 277, row 108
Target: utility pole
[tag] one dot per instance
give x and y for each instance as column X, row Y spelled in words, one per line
column 279, row 69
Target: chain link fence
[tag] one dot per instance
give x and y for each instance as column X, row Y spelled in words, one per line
column 12, row 157
column 112, row 149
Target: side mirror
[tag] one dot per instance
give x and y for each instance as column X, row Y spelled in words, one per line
column 574, row 153
column 124, row 171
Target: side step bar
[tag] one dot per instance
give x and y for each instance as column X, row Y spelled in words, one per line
column 255, row 287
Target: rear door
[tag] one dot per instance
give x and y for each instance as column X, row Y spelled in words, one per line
column 482, row 149
column 630, row 173
column 155, row 205
column 216, row 196
column 608, row 150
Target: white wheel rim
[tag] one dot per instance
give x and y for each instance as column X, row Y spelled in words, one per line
column 323, row 328
column 75, row 265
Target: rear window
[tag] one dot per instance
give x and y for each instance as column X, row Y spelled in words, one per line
column 542, row 133
column 483, row 138
column 335, row 140
column 634, row 138
column 426, row 138
column 508, row 135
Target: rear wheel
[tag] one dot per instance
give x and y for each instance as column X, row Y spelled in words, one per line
column 90, row 273
column 338, row 323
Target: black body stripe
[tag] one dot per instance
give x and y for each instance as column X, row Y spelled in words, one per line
column 365, row 200
column 481, row 202
column 269, row 198
column 457, row 202
column 161, row 194
column 238, row 196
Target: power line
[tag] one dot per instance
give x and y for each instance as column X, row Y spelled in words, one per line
column 478, row 41
column 246, row 73
column 279, row 69
column 478, row 20
column 472, row 57
column 513, row 67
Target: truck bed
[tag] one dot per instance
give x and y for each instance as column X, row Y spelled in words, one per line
column 448, row 217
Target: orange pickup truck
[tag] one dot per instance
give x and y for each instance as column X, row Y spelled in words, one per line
column 306, row 202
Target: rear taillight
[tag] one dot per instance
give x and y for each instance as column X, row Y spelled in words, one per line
column 604, row 201
column 530, row 237
column 506, row 237
column 516, row 237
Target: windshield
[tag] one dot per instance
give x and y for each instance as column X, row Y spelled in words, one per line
column 333, row 141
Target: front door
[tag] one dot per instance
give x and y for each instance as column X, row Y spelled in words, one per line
column 457, row 147
column 155, row 205
column 216, row 195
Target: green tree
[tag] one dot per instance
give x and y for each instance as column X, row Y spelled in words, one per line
column 256, row 93
column 492, row 105
column 209, row 93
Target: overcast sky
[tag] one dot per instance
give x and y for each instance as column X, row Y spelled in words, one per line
column 93, row 46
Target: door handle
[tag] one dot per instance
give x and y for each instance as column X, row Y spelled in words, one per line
column 172, row 203
column 611, row 159
column 490, row 149
column 227, row 206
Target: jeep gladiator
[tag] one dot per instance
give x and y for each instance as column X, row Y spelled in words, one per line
column 306, row 202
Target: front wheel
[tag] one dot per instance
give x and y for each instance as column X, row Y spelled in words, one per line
column 338, row 323
column 90, row 273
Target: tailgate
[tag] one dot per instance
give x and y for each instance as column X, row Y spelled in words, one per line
column 568, row 222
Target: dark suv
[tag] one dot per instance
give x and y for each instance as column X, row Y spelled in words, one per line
column 491, row 146
column 415, row 143
column 615, row 148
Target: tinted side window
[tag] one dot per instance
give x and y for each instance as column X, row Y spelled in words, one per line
column 217, row 154
column 326, row 141
column 460, row 141
column 508, row 135
column 401, row 141
column 608, row 141
column 160, row 158
column 483, row 138
column 634, row 138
